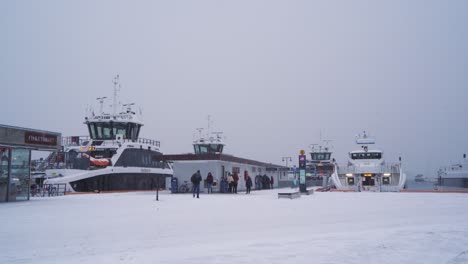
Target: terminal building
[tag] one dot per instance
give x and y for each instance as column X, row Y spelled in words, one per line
column 16, row 144
column 208, row 157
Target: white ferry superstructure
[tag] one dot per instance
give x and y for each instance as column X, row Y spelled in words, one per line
column 367, row 170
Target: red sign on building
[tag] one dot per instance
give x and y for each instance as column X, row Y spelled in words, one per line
column 40, row 139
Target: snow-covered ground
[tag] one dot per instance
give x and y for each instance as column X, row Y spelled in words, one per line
column 256, row 228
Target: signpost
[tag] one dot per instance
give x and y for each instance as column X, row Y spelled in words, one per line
column 302, row 171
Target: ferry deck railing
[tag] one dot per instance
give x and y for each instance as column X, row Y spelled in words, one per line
column 387, row 168
column 84, row 140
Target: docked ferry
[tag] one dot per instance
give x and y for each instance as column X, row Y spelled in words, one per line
column 113, row 157
column 367, row 170
column 320, row 167
column 455, row 175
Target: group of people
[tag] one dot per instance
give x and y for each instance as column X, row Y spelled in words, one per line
column 261, row 182
column 196, row 179
column 264, row 182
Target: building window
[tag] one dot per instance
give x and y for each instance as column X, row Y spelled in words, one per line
column 254, row 169
column 236, row 170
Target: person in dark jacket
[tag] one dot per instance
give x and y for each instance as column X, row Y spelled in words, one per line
column 272, row 181
column 196, row 179
column 248, row 184
column 209, row 182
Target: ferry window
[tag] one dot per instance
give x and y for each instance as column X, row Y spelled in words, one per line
column 140, row 158
column 92, row 130
column 132, row 131
column 203, row 149
column 103, row 131
column 321, row 156
column 216, row 148
column 119, row 129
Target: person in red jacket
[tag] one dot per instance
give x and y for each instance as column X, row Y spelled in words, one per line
column 209, row 182
column 236, row 182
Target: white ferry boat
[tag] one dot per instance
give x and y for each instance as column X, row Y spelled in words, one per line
column 113, row 156
column 455, row 175
column 321, row 165
column 368, row 171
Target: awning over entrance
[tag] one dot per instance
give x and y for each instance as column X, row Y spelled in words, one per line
column 29, row 138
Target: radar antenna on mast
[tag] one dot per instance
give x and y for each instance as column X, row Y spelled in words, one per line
column 312, row 147
column 101, row 104
column 209, row 124
column 218, row 135
column 129, row 107
column 200, row 129
column 117, row 86
column 327, row 142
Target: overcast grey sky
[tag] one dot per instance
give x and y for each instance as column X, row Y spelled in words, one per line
column 272, row 74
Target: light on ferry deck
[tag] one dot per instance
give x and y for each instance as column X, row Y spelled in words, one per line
column 349, row 175
column 387, row 174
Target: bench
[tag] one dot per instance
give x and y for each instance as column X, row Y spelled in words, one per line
column 290, row 195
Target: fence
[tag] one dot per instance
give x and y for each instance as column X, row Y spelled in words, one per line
column 48, row 190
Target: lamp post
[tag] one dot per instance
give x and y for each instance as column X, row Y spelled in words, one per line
column 286, row 159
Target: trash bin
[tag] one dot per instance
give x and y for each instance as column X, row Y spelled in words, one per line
column 223, row 185
column 174, row 185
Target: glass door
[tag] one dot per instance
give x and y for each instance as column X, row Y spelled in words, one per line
column 19, row 175
column 4, row 167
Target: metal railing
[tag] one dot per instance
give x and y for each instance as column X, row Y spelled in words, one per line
column 75, row 140
column 147, row 141
column 48, row 190
column 83, row 141
column 387, row 168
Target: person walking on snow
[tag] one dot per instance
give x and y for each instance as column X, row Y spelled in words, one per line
column 196, row 179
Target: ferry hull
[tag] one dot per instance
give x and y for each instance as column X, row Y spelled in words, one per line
column 111, row 179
